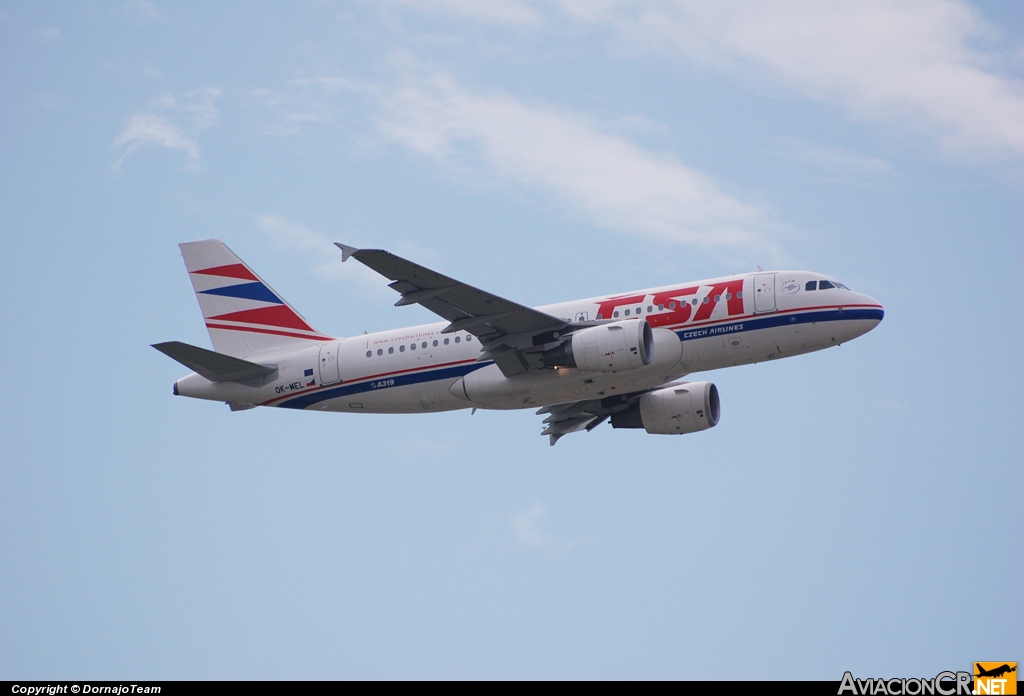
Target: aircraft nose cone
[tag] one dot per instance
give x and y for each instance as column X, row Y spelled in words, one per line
column 878, row 305
column 872, row 309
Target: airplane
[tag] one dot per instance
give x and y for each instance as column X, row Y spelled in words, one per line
column 995, row 672
column 619, row 358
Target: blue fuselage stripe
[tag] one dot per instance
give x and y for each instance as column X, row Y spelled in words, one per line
column 770, row 321
column 427, row 375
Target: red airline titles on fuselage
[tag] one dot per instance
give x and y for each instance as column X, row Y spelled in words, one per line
column 679, row 303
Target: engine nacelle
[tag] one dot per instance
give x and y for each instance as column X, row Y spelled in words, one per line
column 684, row 408
column 615, row 347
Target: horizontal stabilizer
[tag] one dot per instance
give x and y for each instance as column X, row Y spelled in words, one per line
column 215, row 367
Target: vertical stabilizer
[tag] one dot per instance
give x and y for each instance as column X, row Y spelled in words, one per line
column 242, row 313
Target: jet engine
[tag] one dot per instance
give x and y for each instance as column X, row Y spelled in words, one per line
column 682, row 408
column 621, row 345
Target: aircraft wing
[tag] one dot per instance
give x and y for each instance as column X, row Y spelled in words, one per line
column 585, row 415
column 507, row 331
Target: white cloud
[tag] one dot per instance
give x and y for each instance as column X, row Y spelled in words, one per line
column 294, row 238
column 301, row 104
column 325, row 258
column 913, row 61
column 507, row 12
column 197, row 106
column 837, row 163
column 149, row 129
column 527, row 526
column 175, row 128
column 590, row 169
column 606, row 179
column 330, row 85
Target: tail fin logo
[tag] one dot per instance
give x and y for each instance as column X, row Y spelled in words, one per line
column 277, row 314
column 243, row 314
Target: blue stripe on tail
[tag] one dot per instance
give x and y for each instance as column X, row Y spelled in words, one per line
column 246, row 291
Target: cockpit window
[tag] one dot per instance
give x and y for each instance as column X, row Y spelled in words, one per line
column 824, row 284
column 811, row 285
column 840, row 285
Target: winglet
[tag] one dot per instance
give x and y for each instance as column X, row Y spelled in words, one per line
column 346, row 251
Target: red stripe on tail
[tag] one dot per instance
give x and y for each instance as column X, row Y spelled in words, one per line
column 234, row 270
column 278, row 315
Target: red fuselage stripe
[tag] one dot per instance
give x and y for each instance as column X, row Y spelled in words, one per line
column 741, row 317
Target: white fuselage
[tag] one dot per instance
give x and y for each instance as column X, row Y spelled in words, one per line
column 706, row 325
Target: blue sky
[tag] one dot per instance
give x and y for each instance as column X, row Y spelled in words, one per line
column 858, row 508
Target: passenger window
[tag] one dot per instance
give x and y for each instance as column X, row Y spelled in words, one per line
column 380, row 351
column 811, row 285
column 391, row 350
column 650, row 309
column 615, row 313
column 739, row 295
column 424, row 346
column 468, row 339
column 661, row 308
column 706, row 300
column 457, row 339
column 695, row 301
column 824, row 285
column 369, row 353
column 599, row 317
column 671, row 305
column 412, row 347
column 627, row 312
column 728, row 296
column 446, row 341
column 435, row 343
column 718, row 298
column 401, row 349
column 638, row 309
